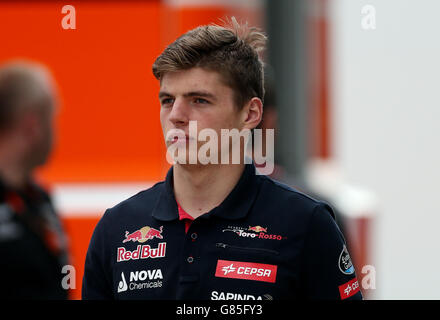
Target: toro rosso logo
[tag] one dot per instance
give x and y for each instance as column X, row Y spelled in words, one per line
column 143, row 234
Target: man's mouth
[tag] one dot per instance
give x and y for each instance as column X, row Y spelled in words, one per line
column 175, row 139
column 176, row 136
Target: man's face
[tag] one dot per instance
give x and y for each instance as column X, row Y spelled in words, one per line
column 38, row 132
column 197, row 95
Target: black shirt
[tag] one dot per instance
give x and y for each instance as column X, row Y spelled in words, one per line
column 264, row 241
column 32, row 245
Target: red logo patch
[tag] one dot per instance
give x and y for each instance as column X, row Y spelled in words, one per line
column 143, row 234
column 349, row 289
column 246, row 270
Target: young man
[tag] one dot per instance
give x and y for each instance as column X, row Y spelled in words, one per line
column 32, row 242
column 216, row 230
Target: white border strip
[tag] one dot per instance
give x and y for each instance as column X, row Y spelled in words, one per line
column 92, row 199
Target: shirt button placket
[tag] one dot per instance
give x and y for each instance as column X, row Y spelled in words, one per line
column 190, row 273
column 191, row 246
column 193, row 236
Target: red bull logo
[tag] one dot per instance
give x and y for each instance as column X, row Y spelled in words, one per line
column 257, row 229
column 143, row 234
column 142, row 252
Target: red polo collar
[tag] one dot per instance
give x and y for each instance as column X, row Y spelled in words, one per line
column 183, row 215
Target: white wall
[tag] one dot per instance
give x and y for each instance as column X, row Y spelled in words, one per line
column 386, row 129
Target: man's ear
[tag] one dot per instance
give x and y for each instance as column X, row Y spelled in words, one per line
column 252, row 113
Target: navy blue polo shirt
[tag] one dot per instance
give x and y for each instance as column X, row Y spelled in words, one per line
column 264, row 241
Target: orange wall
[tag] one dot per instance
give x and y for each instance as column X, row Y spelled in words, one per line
column 79, row 230
column 103, row 68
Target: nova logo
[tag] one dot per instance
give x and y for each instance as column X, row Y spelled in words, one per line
column 122, row 285
column 144, row 275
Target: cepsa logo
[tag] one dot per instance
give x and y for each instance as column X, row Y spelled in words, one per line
column 246, row 270
column 253, row 232
column 349, row 289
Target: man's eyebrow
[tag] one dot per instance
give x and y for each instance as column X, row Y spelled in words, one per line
column 204, row 94
column 190, row 94
column 164, row 94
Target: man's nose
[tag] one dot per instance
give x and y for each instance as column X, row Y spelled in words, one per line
column 179, row 114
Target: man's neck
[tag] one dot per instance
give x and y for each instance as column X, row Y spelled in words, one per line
column 199, row 189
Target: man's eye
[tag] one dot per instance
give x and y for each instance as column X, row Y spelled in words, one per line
column 200, row 101
column 166, row 101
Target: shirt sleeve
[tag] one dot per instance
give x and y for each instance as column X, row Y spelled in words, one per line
column 328, row 272
column 97, row 276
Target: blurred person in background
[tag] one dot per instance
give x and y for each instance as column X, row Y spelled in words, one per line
column 270, row 121
column 32, row 241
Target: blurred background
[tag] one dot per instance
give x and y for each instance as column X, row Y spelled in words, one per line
column 354, row 103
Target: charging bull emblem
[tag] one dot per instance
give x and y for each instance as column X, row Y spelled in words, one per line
column 143, row 234
column 257, row 229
